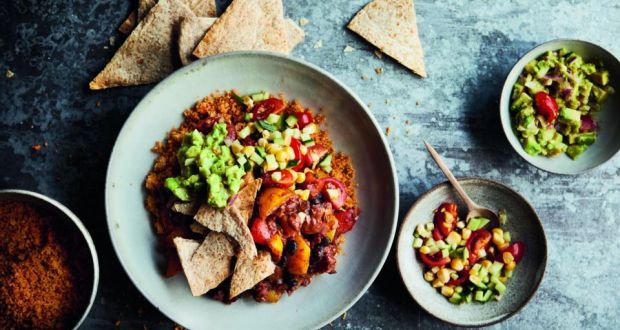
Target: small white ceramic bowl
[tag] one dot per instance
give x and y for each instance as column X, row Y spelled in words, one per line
column 608, row 143
column 353, row 130
column 61, row 213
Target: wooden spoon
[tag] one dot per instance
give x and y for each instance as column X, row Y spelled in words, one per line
column 474, row 210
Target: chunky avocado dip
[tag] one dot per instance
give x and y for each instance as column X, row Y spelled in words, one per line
column 554, row 103
column 206, row 165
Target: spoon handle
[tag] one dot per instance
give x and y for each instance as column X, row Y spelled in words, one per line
column 446, row 171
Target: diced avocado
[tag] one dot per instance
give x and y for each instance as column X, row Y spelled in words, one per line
column 531, row 146
column 588, row 68
column 574, row 60
column 517, row 90
column 575, row 150
column 541, row 68
column 206, row 159
column 197, row 138
column 456, row 298
column 600, row 77
column 192, row 152
column 545, row 135
column 233, row 178
column 174, row 185
column 599, row 94
column 522, row 101
column 570, row 117
column 584, row 92
column 477, row 223
column 530, row 67
column 582, row 138
column 219, row 167
column 218, row 196
column 534, row 87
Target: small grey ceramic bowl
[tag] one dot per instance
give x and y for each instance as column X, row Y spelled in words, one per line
column 608, row 142
column 523, row 224
column 69, row 222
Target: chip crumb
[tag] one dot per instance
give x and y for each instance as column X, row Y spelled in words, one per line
column 417, row 103
column 98, row 104
column 112, row 41
column 370, row 104
column 364, row 77
column 387, row 101
column 178, row 327
column 379, row 70
column 348, row 49
column 303, row 21
column 117, row 323
column 318, row 44
column 9, row 74
column 45, row 144
column 106, row 47
column 36, row 147
column 408, row 122
column 388, row 131
column 344, row 316
column 378, row 54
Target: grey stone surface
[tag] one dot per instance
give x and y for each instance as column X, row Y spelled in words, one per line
column 55, row 47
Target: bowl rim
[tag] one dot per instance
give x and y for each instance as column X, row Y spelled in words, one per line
column 408, row 217
column 196, row 65
column 52, row 203
column 506, row 120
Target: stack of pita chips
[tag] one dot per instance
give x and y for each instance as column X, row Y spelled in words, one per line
column 391, row 26
column 172, row 32
column 208, row 263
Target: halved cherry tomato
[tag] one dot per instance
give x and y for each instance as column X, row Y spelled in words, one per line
column 313, row 184
column 335, row 192
column 285, row 181
column 516, row 249
column 437, row 234
column 546, row 106
column 479, row 239
column 445, row 221
column 346, row 220
column 315, row 154
column 262, row 109
column 450, row 208
column 435, row 260
column 260, row 231
column 463, row 277
column 296, row 145
column 304, row 118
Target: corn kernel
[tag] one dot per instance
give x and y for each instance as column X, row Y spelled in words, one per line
column 266, row 134
column 486, row 264
column 453, row 238
column 437, row 283
column 430, row 226
column 457, row 264
column 511, row 266
column 303, row 194
column 508, row 257
column 443, row 275
column 460, row 225
column 236, row 148
column 303, row 150
column 447, row 291
column 290, row 152
column 248, row 150
column 262, row 142
column 424, row 250
column 473, row 272
column 281, row 156
column 458, row 289
column 435, row 270
column 503, row 279
column 503, row 246
column 497, row 231
column 301, row 177
column 429, row 276
column 466, row 233
column 272, row 148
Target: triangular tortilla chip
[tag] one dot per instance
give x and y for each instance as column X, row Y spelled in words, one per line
column 205, row 265
column 129, row 23
column 391, row 26
column 228, row 221
column 147, row 54
column 199, row 7
column 246, row 25
column 249, row 271
column 294, row 32
column 191, row 31
column 247, row 197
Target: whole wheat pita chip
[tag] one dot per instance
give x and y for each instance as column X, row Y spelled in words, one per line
column 228, row 221
column 191, row 31
column 246, row 25
column 199, row 7
column 186, row 208
column 249, row 271
column 391, row 26
column 205, row 265
column 129, row 23
column 294, row 32
column 147, row 54
column 247, row 197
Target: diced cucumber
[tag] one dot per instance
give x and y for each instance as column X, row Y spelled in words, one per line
column 259, row 96
column 479, row 296
column 499, row 286
column 273, row 119
column 265, row 125
column 456, row 298
column 248, row 117
column 261, row 151
column 477, row 223
column 256, row 159
column 238, row 98
column 291, row 121
column 245, row 132
column 417, row 243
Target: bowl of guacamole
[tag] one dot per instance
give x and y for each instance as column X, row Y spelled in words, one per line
column 560, row 106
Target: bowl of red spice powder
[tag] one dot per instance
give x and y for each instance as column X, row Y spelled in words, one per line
column 49, row 269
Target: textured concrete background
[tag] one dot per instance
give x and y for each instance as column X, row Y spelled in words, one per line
column 55, row 47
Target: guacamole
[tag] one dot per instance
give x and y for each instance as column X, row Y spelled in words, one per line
column 207, row 167
column 554, row 103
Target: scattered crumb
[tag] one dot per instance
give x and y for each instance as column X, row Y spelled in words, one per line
column 370, row 104
column 408, row 122
column 344, row 316
column 106, row 47
column 364, row 77
column 98, row 104
column 348, row 49
column 117, row 323
column 387, row 101
column 303, row 21
column 36, row 147
column 378, row 54
column 388, row 131
column 318, row 44
column 45, row 144
column 9, row 74
column 112, row 41
column 417, row 103
column 178, row 327
column 379, row 70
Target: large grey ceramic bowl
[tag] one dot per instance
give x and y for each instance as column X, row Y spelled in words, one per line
column 608, row 142
column 353, row 130
column 523, row 224
column 69, row 222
